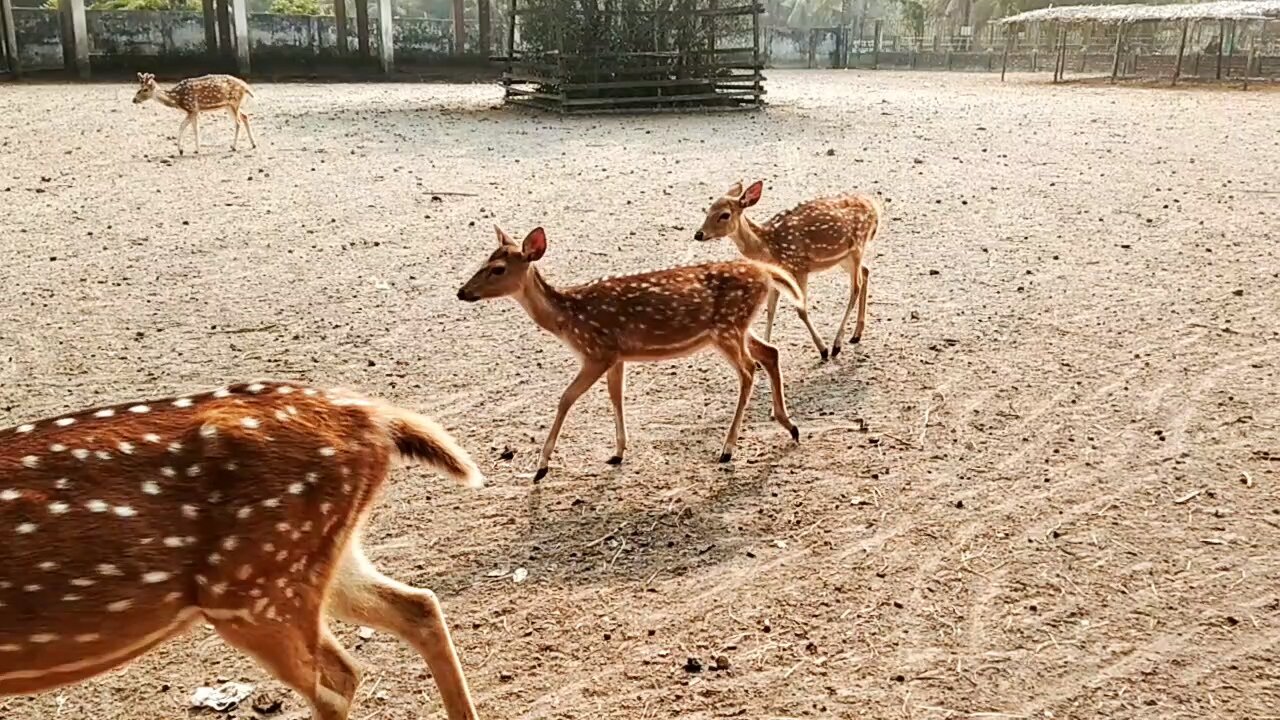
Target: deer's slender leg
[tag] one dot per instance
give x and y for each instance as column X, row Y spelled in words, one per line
column 245, row 119
column 771, row 311
column 767, row 356
column 803, row 281
column 315, row 666
column 852, row 263
column 617, row 378
column 735, row 351
column 235, row 118
column 862, row 305
column 182, row 129
column 360, row 594
column 587, row 376
column 195, row 125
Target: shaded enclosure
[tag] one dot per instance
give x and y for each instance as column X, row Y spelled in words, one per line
column 645, row 56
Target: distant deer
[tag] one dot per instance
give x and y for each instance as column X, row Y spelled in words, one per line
column 123, row 526
column 650, row 316
column 197, row 95
column 814, row 236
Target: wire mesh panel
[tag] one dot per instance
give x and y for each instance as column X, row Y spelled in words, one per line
column 634, row 55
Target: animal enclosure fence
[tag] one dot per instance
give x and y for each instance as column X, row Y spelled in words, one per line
column 584, row 56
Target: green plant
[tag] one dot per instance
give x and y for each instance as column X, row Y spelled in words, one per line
column 295, row 7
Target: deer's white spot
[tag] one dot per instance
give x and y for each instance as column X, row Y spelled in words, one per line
column 218, row 588
column 30, row 461
column 33, row 587
column 282, row 416
column 10, row 495
column 251, row 423
column 57, row 447
column 284, row 389
column 80, row 454
column 256, row 388
column 97, row 506
column 175, row 447
column 271, row 502
column 296, row 488
column 182, row 402
column 281, row 555
column 71, row 597
column 190, row 512
column 214, row 558
column 63, row 422
column 151, row 438
column 25, row 528
column 168, row 472
column 244, row 572
column 282, row 526
column 88, row 638
column 43, row 638
column 221, row 393
column 119, row 606
column 193, row 471
column 325, row 508
column 58, row 508
column 244, row 512
column 125, row 447
column 140, row 409
column 109, row 570
column 48, row 565
column 83, row 582
column 25, row 428
column 312, row 477
column 172, row 597
column 230, row 543
column 208, row 430
column 327, row 451
column 151, row 487
column 173, row 542
column 102, row 455
column 154, row 577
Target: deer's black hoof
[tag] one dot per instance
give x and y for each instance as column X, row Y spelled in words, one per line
column 726, row 457
column 795, row 433
column 835, row 350
column 855, row 339
column 824, row 354
column 615, row 460
column 542, row 472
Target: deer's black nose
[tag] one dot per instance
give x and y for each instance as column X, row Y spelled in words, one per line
column 697, row 235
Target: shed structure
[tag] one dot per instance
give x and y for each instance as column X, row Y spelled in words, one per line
column 1255, row 23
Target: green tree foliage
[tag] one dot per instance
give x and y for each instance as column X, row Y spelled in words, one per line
column 295, row 7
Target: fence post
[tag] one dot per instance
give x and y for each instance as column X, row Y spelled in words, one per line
column 386, row 38
column 1115, row 62
column 240, row 14
column 209, row 14
column 1182, row 48
column 78, row 43
column 879, row 34
column 340, row 24
column 1008, row 41
column 1222, row 40
column 10, row 37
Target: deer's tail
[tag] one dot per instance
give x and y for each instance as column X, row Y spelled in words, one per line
column 785, row 282
column 418, row 438
column 248, row 90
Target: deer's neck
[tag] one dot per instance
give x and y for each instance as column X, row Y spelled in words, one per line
column 164, row 98
column 543, row 303
column 753, row 240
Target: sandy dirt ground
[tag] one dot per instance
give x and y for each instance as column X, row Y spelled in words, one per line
column 1043, row 486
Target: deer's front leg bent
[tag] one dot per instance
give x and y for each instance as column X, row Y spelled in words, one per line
column 587, row 376
column 617, row 379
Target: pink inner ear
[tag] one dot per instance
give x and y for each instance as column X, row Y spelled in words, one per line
column 535, row 244
column 752, row 195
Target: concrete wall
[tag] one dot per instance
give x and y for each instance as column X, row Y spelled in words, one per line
column 173, row 35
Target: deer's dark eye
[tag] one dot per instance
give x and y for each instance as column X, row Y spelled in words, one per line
column 724, row 216
column 498, row 270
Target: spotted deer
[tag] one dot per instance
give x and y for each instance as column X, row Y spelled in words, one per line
column 814, row 236
column 121, row 527
column 200, row 94
column 650, row 316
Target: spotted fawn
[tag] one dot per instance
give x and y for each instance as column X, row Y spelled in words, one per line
column 812, row 237
column 650, row 316
column 123, row 526
column 200, row 94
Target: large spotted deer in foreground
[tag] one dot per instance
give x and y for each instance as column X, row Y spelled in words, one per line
column 121, row 527
column 200, row 94
column 812, row 237
column 650, row 316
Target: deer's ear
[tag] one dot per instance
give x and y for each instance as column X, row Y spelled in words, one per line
column 140, row 77
column 503, row 238
column 735, row 192
column 535, row 244
column 752, row 194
